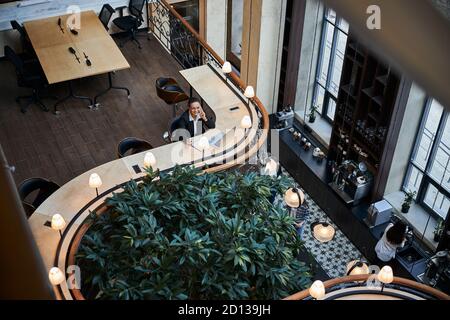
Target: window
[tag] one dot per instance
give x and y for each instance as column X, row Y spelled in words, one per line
column 429, row 171
column 329, row 68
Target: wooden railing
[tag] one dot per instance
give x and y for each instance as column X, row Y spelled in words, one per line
column 400, row 282
column 191, row 50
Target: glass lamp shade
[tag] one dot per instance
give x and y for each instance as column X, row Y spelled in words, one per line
column 149, row 160
column 56, row 276
column 226, row 68
column 95, row 181
column 271, row 168
column 203, row 143
column 246, row 122
column 317, row 290
column 357, row 267
column 58, row 222
column 386, row 275
column 249, row 92
column 323, row 232
column 294, row 198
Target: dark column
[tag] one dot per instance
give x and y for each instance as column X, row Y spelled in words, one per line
column 22, row 271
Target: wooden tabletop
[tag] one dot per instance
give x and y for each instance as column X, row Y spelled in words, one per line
column 70, row 200
column 52, row 48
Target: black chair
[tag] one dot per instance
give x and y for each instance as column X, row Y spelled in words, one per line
column 105, row 15
column 131, row 23
column 29, row 75
column 133, row 145
column 169, row 135
column 44, row 188
column 27, row 48
column 168, row 90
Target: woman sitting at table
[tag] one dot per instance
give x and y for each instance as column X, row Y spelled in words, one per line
column 194, row 119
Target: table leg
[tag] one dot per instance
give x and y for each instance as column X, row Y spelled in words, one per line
column 110, row 86
column 71, row 95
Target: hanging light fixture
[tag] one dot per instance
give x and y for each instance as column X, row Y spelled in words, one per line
column 357, row 267
column 294, row 198
column 317, row 290
column 323, row 231
column 56, row 276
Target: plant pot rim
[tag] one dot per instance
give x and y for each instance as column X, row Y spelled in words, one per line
column 75, row 245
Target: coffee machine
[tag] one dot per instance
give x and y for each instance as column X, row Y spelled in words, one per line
column 437, row 272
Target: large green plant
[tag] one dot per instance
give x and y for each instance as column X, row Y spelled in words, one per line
column 193, row 236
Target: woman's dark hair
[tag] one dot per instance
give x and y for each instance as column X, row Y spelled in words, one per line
column 396, row 234
column 192, row 100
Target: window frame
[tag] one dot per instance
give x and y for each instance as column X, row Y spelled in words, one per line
column 427, row 179
column 328, row 95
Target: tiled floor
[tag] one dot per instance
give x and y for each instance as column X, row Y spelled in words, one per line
column 333, row 256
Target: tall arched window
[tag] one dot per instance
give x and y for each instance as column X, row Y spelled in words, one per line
column 330, row 62
column 429, row 170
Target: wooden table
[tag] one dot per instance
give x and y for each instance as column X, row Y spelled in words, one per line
column 74, row 199
column 52, row 43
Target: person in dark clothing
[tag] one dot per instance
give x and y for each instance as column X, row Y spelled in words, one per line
column 195, row 120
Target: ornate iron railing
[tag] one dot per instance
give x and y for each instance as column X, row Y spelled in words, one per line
column 190, row 50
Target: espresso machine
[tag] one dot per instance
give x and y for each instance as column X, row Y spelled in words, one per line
column 437, row 273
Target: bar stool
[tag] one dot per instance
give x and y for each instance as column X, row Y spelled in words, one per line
column 132, row 144
column 44, row 187
column 169, row 90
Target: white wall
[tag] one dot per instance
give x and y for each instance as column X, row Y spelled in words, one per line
column 405, row 143
column 270, row 52
column 216, row 26
column 312, row 30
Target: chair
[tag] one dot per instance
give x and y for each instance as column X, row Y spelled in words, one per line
column 27, row 48
column 134, row 145
column 29, row 75
column 44, row 187
column 105, row 15
column 168, row 90
column 173, row 125
column 131, row 23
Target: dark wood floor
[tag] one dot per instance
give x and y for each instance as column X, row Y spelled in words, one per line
column 40, row 144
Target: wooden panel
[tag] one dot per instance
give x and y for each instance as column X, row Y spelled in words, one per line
column 294, row 52
column 52, row 48
column 250, row 41
column 202, row 11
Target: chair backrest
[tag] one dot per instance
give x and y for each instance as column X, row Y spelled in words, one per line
column 136, row 8
column 28, row 208
column 17, row 26
column 168, row 90
column 105, row 15
column 17, row 61
column 134, row 145
column 44, row 187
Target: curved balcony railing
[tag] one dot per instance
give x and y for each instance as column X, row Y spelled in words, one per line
column 355, row 287
column 190, row 50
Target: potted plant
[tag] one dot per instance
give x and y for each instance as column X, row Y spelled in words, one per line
column 186, row 235
column 312, row 113
column 438, row 230
column 409, row 198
